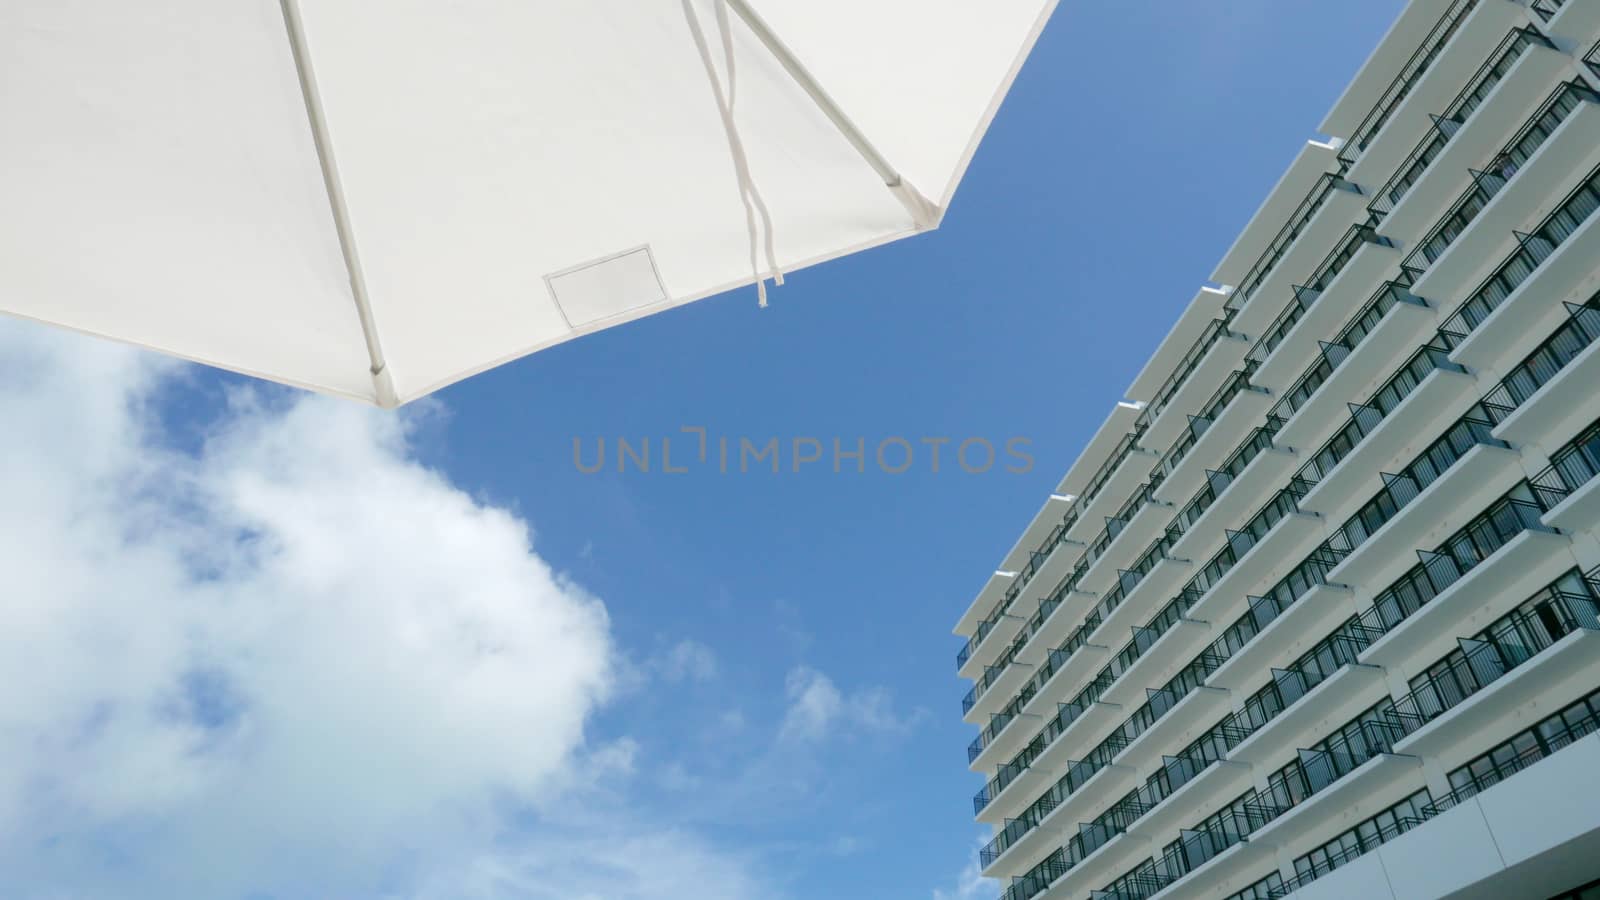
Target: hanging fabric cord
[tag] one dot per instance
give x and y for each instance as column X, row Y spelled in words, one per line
column 754, row 206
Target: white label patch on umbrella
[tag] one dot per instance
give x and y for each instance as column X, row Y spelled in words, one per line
column 607, row 286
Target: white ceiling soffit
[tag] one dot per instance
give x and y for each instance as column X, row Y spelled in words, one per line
column 377, row 200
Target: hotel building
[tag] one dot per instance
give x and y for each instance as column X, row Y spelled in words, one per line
column 1316, row 613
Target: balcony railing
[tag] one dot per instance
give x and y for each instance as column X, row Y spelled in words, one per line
column 1581, row 329
column 1471, row 430
column 1196, row 847
column 1410, row 73
column 1457, row 113
column 1532, row 250
column 1366, row 417
column 1568, row 471
column 1556, row 611
column 1546, row 9
column 1501, row 167
column 1570, row 468
column 1315, row 768
column 1218, row 480
column 1553, row 734
column 1438, row 569
column 1036, row 560
column 1216, row 331
column 1306, row 294
column 1285, row 238
column 1355, row 842
column 1336, row 351
column 1474, row 542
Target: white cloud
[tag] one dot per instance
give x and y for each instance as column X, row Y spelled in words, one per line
column 665, row 865
column 293, row 660
column 687, row 660
column 970, row 883
column 817, row 709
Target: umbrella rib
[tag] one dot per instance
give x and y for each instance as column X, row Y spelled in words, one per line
column 383, row 382
column 922, row 211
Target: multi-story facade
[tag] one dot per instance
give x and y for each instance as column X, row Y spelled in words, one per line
column 1317, row 610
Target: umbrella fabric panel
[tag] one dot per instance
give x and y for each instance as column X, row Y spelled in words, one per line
column 487, row 146
column 922, row 78
column 160, row 186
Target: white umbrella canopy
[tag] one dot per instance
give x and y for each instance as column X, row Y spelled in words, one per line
column 378, row 199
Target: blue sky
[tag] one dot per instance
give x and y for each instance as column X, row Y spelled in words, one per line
column 767, row 704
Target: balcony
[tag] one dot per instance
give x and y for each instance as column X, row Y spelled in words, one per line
column 1534, row 556
column 1112, row 442
column 1334, row 700
column 1291, row 538
column 1518, row 75
column 1527, row 312
column 1072, row 722
column 1570, row 480
column 1001, row 740
column 1558, row 140
column 1355, row 371
column 1441, row 392
column 1218, row 781
column 1159, row 661
column 999, row 685
column 1121, row 542
column 1301, row 624
column 1118, row 485
column 1348, row 781
column 1159, row 582
column 1473, row 144
column 1055, row 620
column 1061, row 820
column 1190, row 330
column 1374, row 103
column 1171, row 728
column 1564, row 399
column 1520, row 687
column 1472, row 480
column 1571, row 23
column 1236, row 497
column 1221, row 358
column 1213, row 445
column 1358, row 278
column 1333, row 205
column 1486, row 831
column 1375, row 153
column 1203, row 859
column 989, row 644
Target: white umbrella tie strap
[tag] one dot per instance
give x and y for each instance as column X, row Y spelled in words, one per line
column 754, row 205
